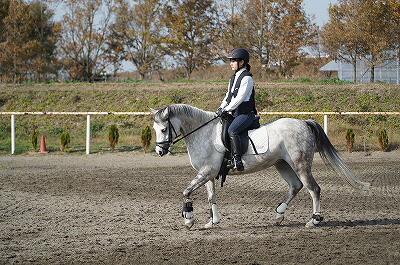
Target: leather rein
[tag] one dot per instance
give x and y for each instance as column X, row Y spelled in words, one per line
column 178, row 137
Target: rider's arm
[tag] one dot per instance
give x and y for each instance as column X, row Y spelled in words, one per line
column 224, row 103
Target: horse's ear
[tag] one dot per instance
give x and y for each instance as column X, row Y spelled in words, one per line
column 165, row 113
column 152, row 110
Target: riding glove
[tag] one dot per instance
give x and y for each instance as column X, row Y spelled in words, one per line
column 220, row 111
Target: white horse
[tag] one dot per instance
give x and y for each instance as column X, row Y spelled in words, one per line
column 291, row 144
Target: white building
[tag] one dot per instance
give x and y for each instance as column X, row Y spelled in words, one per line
column 388, row 72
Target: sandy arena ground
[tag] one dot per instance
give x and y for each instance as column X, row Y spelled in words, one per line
column 124, row 208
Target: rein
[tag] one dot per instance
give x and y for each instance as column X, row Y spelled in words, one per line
column 198, row 128
column 170, row 141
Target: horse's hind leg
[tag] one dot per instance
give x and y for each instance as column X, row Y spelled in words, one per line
column 305, row 175
column 295, row 186
column 212, row 199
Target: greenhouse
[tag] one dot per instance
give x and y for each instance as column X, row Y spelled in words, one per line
column 387, row 72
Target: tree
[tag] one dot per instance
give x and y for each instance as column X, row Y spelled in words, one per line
column 294, row 30
column 85, row 31
column 273, row 31
column 46, row 34
column 372, row 20
column 137, row 34
column 28, row 40
column 15, row 50
column 339, row 37
column 359, row 29
column 4, row 8
column 394, row 20
column 191, row 33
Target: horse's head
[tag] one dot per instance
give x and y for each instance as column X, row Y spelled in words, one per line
column 167, row 129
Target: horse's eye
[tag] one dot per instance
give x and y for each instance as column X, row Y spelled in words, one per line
column 164, row 130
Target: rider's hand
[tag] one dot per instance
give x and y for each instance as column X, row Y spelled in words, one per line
column 220, row 111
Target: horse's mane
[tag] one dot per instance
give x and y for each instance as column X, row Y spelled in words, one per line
column 186, row 110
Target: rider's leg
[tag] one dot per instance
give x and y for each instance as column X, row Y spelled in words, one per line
column 236, row 151
column 239, row 124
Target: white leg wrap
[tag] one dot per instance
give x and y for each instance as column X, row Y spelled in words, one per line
column 280, row 212
column 216, row 217
column 189, row 221
column 188, row 215
column 281, row 208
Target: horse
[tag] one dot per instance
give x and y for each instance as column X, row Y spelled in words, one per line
column 291, row 144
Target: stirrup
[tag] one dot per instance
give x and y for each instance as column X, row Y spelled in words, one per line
column 230, row 164
column 238, row 164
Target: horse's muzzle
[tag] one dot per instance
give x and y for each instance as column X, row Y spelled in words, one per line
column 162, row 150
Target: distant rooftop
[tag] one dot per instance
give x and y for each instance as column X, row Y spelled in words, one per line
column 331, row 66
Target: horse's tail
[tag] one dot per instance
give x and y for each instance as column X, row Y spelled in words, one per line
column 331, row 157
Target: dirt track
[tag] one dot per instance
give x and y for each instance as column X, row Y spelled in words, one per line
column 125, row 209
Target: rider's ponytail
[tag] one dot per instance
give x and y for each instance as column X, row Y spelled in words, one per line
column 248, row 67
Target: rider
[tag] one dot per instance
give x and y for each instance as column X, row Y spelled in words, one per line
column 239, row 100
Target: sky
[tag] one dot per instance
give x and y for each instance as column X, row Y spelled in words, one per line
column 318, row 9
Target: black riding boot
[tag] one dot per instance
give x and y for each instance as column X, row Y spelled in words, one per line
column 237, row 154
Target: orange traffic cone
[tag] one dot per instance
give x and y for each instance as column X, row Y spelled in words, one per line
column 43, row 146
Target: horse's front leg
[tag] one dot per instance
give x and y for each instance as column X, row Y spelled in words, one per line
column 204, row 175
column 212, row 199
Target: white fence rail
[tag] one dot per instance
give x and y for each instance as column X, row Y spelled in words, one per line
column 325, row 114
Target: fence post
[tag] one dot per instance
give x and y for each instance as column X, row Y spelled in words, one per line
column 326, row 124
column 88, row 135
column 12, row 134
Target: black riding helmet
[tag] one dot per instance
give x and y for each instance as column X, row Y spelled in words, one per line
column 239, row 53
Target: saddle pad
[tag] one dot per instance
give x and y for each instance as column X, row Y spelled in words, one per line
column 260, row 139
column 258, row 136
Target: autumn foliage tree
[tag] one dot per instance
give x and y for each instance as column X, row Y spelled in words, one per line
column 84, row 42
column 28, row 38
column 274, row 32
column 360, row 29
column 191, row 33
column 339, row 36
column 294, row 31
column 137, row 33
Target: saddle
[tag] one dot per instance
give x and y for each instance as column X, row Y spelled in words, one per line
column 245, row 140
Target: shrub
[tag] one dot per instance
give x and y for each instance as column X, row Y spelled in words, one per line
column 113, row 136
column 349, row 140
column 383, row 139
column 305, row 80
column 34, row 139
column 146, row 138
column 64, row 140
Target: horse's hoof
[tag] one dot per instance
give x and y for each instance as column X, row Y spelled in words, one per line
column 189, row 223
column 316, row 219
column 279, row 218
column 210, row 224
column 310, row 224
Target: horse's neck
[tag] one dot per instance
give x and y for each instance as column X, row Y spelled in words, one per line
column 202, row 138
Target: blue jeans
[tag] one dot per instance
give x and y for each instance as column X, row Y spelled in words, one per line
column 241, row 122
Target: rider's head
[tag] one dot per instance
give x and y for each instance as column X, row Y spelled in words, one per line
column 239, row 58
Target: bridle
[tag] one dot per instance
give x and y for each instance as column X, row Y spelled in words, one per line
column 171, row 141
